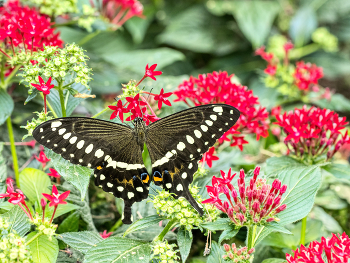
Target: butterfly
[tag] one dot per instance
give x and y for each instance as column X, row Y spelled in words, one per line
column 175, row 144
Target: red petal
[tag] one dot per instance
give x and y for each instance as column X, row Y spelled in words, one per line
column 54, row 190
column 41, row 80
column 36, row 86
column 153, row 67
column 156, row 73
column 167, row 102
column 159, row 104
column 49, row 82
column 48, row 197
column 113, row 107
column 64, row 195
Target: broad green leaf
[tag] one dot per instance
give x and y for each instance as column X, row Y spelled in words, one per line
column 70, row 224
column 303, row 183
column 184, row 241
column 61, row 210
column 302, row 25
column 274, row 260
column 144, row 223
column 3, row 173
column 329, row 223
column 274, row 165
column 119, row 250
column 6, row 105
column 81, row 241
column 136, row 60
column 31, row 96
column 338, row 102
column 6, row 206
column 43, row 250
column 34, row 183
column 18, row 220
column 77, row 175
column 276, row 227
column 219, row 224
column 228, row 233
column 148, row 234
column 216, row 254
column 341, row 171
column 255, row 19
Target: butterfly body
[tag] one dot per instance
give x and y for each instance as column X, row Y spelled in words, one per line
column 175, row 143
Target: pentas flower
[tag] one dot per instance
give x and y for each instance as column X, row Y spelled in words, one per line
column 42, row 158
column 54, row 173
column 16, row 197
column 150, row 72
column 209, row 157
column 162, row 98
column 56, row 199
column 118, row 111
column 257, row 203
column 335, row 249
column 24, row 28
column 313, row 132
column 44, row 87
column 218, row 87
column 105, row 235
column 120, row 11
column 242, row 254
column 307, row 75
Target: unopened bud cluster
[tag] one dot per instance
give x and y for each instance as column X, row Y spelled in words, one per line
column 44, row 227
column 165, row 252
column 241, row 255
column 68, row 64
column 42, row 117
column 181, row 209
column 325, row 39
column 129, row 90
column 21, row 58
column 54, row 8
column 88, row 18
column 12, row 246
column 256, row 203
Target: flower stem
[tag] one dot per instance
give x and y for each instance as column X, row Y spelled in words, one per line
column 10, row 76
column 33, row 238
column 104, row 110
column 60, row 91
column 13, row 149
column 251, row 236
column 45, row 107
column 116, row 225
column 50, row 107
column 53, row 214
column 166, row 229
column 303, row 231
column 88, row 37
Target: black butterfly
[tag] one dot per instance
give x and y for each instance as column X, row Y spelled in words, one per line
column 175, row 143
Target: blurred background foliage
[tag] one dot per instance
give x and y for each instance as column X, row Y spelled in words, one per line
column 191, row 37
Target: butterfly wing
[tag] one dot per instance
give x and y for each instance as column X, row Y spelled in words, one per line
column 108, row 148
column 176, row 143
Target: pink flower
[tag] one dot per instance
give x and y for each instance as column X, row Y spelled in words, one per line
column 288, row 46
column 270, row 70
column 306, row 74
column 151, row 73
column 56, row 198
column 42, row 158
column 44, row 87
column 105, row 235
column 162, row 97
column 118, row 111
column 209, row 157
column 54, row 173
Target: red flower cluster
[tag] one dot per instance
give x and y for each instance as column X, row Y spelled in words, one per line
column 218, row 88
column 336, row 249
column 119, row 11
column 307, row 74
column 105, row 235
column 55, row 200
column 16, row 197
column 313, row 131
column 257, row 203
column 25, row 27
column 241, row 255
column 269, row 57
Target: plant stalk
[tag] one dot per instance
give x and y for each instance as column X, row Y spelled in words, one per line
column 13, row 149
column 49, row 105
column 303, row 231
column 251, row 236
column 60, row 91
column 166, row 229
column 104, row 110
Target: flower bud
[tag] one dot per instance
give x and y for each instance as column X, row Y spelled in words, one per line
column 283, row 189
column 256, row 207
column 281, row 208
column 230, row 256
column 226, row 247
column 250, row 251
column 241, row 175
column 230, row 212
column 226, row 205
column 234, row 195
column 270, row 219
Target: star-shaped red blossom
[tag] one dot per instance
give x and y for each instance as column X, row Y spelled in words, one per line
column 209, row 157
column 44, row 87
column 134, row 102
column 54, row 173
column 162, row 97
column 56, row 198
column 42, row 158
column 105, row 235
column 151, row 73
column 118, row 110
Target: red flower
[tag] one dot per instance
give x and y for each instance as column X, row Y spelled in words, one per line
column 238, row 141
column 276, row 110
column 119, row 110
column 151, row 73
column 56, row 198
column 306, row 74
column 54, row 173
column 135, row 103
column 270, row 70
column 162, row 97
column 264, row 55
column 209, row 157
column 42, row 158
column 105, row 235
column 336, row 249
column 44, row 87
column 288, row 46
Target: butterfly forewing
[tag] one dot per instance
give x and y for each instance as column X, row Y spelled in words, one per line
column 108, row 148
column 176, row 143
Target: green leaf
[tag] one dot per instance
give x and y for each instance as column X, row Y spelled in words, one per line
column 274, row 165
column 274, row 260
column 119, row 250
column 18, row 220
column 31, row 96
column 6, row 105
column 136, row 60
column 81, row 241
column 338, row 102
column 302, row 25
column 144, row 223
column 228, row 233
column 341, row 171
column 220, row 224
column 43, row 250
column 329, row 223
column 216, row 254
column 302, row 185
column 3, row 173
column 255, row 19
column 34, row 183
column 184, row 241
column 72, row 101
column 276, row 227
column 70, row 224
column 61, row 210
column 77, row 175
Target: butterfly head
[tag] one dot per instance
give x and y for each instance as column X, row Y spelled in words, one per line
column 140, row 129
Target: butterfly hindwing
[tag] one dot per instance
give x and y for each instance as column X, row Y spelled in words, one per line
column 108, row 148
column 176, row 143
